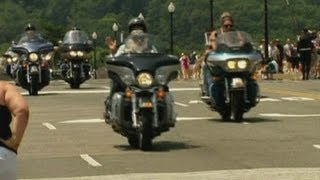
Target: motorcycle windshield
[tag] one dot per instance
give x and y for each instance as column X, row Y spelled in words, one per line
column 139, row 42
column 31, row 37
column 76, row 37
column 234, row 41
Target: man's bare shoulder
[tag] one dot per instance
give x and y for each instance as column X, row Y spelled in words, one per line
column 5, row 84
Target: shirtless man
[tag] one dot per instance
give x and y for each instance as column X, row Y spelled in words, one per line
column 13, row 110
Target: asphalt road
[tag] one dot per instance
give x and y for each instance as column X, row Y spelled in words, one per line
column 279, row 139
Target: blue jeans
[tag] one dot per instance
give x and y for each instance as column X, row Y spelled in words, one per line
column 207, row 80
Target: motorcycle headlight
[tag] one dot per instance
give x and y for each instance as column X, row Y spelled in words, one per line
column 242, row 64
column 80, row 53
column 144, row 80
column 231, row 64
column 73, row 53
column 33, row 57
column 9, row 60
column 14, row 59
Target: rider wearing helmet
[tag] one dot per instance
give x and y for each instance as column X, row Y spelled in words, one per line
column 135, row 24
column 30, row 27
column 30, row 33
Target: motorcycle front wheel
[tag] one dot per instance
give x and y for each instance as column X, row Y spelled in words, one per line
column 34, row 85
column 145, row 133
column 237, row 105
column 75, row 82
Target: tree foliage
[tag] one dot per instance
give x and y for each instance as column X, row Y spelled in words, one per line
column 191, row 18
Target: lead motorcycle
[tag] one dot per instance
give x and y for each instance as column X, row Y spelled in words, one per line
column 74, row 50
column 144, row 108
column 231, row 79
column 34, row 54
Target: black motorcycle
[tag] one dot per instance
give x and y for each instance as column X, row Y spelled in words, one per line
column 33, row 53
column 75, row 68
column 144, row 107
column 11, row 63
column 230, row 76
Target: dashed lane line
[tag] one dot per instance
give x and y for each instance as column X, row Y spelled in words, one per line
column 317, row 146
column 49, row 126
column 288, row 115
column 181, row 104
column 90, row 160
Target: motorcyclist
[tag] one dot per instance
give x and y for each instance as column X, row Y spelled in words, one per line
column 136, row 27
column 30, row 33
column 227, row 23
column 76, row 37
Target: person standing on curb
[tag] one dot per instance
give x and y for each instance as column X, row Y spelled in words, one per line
column 305, row 47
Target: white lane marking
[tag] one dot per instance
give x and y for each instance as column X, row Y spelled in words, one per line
column 249, row 174
column 49, row 126
column 193, row 118
column 70, row 92
column 82, row 121
column 90, row 160
column 195, row 102
column 316, row 146
column 99, row 91
column 269, row 99
column 181, row 104
column 297, row 99
column 288, row 115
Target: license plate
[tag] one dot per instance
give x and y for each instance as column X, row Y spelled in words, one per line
column 237, row 83
column 34, row 69
column 145, row 103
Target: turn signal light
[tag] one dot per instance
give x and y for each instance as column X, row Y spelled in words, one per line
column 128, row 93
column 161, row 93
column 254, row 77
column 216, row 78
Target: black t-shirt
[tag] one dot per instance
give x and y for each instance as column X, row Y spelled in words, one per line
column 5, row 120
column 5, row 131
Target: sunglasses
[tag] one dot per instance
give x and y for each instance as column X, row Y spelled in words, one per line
column 228, row 25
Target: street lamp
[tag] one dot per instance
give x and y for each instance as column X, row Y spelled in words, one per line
column 94, row 37
column 171, row 10
column 266, row 34
column 115, row 29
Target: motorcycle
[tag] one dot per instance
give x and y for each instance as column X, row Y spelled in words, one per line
column 231, row 76
column 34, row 54
column 74, row 50
column 144, row 107
column 11, row 63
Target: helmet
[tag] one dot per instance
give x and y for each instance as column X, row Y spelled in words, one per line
column 226, row 16
column 137, row 22
column 30, row 27
column 75, row 28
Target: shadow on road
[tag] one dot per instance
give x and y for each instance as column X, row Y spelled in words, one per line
column 247, row 120
column 162, row 146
